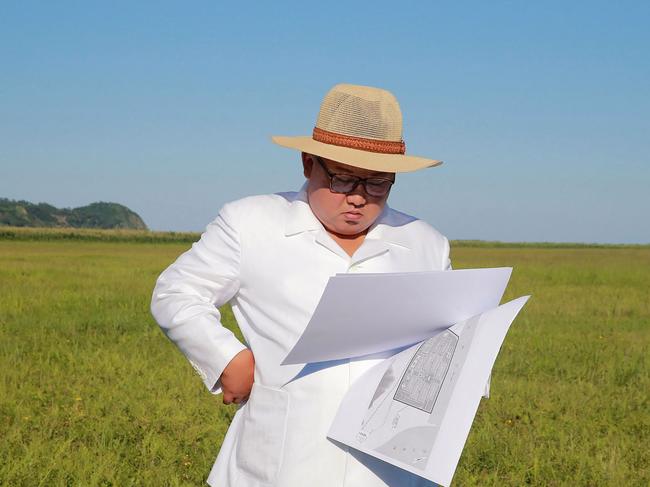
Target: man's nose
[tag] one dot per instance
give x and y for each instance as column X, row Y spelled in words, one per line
column 357, row 196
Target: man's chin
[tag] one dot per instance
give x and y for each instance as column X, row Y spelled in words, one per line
column 351, row 229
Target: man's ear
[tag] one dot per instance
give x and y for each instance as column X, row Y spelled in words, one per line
column 307, row 164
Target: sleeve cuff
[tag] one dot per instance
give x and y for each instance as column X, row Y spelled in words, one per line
column 228, row 351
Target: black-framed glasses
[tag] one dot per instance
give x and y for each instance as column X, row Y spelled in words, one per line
column 346, row 183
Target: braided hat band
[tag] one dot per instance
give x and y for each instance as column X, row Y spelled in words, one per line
column 360, row 143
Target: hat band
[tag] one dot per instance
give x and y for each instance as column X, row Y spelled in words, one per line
column 360, row 143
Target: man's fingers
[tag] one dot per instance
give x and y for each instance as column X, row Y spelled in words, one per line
column 235, row 396
column 229, row 398
column 234, row 399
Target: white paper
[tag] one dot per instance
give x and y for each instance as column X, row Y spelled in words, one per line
column 415, row 409
column 361, row 314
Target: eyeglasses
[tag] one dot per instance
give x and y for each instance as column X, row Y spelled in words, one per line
column 346, row 183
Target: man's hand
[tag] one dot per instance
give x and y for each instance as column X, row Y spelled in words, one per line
column 237, row 377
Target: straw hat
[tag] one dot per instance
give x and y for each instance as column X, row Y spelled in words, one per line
column 360, row 126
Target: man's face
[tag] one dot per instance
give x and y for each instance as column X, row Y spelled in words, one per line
column 343, row 214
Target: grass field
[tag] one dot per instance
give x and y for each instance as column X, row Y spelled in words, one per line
column 92, row 393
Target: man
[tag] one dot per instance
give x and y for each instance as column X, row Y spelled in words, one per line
column 270, row 257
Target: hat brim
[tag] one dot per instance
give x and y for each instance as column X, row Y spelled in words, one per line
column 353, row 157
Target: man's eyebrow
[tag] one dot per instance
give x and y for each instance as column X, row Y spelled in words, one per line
column 341, row 170
column 345, row 170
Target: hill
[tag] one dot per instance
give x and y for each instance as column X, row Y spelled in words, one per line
column 95, row 215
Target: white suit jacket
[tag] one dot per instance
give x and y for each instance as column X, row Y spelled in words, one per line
column 270, row 257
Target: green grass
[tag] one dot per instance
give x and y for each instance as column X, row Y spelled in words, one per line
column 36, row 234
column 92, row 393
column 569, row 401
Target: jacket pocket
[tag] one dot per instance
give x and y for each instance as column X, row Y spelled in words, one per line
column 261, row 440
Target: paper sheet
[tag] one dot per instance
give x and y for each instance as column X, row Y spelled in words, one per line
column 361, row 314
column 415, row 409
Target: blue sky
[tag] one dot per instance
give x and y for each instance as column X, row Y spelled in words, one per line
column 541, row 111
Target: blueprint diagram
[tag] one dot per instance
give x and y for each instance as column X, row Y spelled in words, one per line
column 398, row 420
column 425, row 373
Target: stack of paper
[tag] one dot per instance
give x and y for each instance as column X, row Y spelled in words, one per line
column 415, row 409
